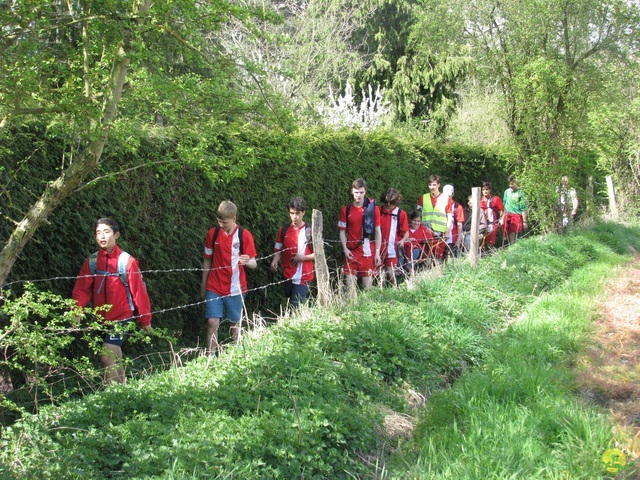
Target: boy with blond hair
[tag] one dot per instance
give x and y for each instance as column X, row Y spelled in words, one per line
column 228, row 250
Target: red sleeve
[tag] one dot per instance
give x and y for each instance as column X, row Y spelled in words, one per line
column 342, row 221
column 420, row 201
column 249, row 246
column 139, row 293
column 449, row 205
column 83, row 289
column 460, row 214
column 279, row 240
column 497, row 204
column 403, row 224
column 376, row 216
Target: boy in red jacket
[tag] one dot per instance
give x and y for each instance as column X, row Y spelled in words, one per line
column 112, row 277
column 361, row 249
column 394, row 226
column 417, row 248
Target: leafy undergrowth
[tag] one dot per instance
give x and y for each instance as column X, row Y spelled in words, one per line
column 325, row 396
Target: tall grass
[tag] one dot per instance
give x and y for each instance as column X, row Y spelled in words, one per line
column 312, row 397
column 517, row 415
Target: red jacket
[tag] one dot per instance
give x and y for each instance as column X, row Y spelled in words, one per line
column 108, row 290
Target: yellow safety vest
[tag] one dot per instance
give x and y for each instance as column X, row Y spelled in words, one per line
column 435, row 216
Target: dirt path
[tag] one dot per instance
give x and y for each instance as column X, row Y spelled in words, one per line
column 609, row 371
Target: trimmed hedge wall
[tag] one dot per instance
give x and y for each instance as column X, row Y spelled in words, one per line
column 166, row 211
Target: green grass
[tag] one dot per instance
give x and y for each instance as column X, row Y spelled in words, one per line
column 489, row 346
column 517, row 415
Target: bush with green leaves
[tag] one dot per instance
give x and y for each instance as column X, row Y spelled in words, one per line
column 166, row 208
column 50, row 349
column 40, row 339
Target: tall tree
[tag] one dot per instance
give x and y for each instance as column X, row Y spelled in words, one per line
column 313, row 47
column 547, row 57
column 92, row 70
column 427, row 76
column 554, row 63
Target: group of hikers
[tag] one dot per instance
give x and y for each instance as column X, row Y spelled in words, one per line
column 385, row 237
column 376, row 237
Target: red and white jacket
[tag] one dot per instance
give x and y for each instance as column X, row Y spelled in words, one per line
column 295, row 242
column 393, row 224
column 227, row 276
column 102, row 290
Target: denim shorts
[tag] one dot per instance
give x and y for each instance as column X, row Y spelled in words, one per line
column 224, row 306
column 297, row 294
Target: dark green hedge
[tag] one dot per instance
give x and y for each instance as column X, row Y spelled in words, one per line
column 167, row 209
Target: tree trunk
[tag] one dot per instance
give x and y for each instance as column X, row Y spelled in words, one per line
column 72, row 176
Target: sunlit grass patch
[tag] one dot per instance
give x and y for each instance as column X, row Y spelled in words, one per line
column 517, row 414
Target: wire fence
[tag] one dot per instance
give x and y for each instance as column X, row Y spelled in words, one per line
column 7, row 286
column 66, row 378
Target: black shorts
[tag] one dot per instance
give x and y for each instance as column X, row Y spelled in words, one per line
column 116, row 333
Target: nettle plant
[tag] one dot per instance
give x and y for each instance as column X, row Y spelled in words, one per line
column 370, row 112
column 48, row 347
column 37, row 331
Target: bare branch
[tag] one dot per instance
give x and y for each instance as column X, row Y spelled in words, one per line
column 122, row 172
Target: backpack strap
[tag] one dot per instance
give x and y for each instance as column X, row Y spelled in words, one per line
column 489, row 207
column 216, row 232
column 347, row 220
column 123, row 261
column 240, row 239
column 368, row 218
column 307, row 232
column 386, row 212
column 93, row 260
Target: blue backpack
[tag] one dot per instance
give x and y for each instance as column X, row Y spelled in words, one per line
column 123, row 260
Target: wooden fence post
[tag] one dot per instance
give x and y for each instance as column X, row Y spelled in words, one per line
column 322, row 271
column 613, row 207
column 474, row 249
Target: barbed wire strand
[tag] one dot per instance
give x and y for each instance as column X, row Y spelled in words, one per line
column 182, row 270
column 113, row 274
